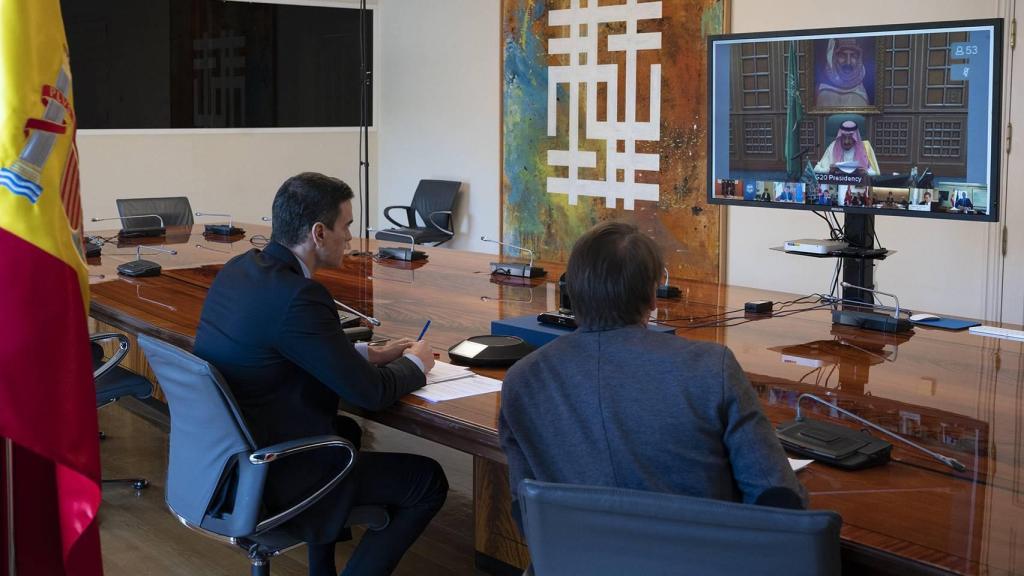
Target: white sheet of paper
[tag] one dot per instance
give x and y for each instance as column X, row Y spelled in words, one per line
column 798, row 465
column 459, row 388
column 443, row 371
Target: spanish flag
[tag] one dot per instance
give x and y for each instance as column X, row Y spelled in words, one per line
column 50, row 488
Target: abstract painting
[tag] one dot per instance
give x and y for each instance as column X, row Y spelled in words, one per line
column 604, row 117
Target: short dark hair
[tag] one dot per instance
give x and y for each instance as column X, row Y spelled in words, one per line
column 611, row 277
column 304, row 200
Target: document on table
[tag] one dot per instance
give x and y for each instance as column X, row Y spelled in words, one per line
column 798, row 465
column 470, row 385
column 443, row 371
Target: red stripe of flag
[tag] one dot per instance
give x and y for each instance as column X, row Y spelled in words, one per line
column 47, row 408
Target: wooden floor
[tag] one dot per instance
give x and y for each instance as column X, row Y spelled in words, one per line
column 140, row 537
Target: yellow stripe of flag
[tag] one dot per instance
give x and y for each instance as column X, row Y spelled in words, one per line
column 39, row 199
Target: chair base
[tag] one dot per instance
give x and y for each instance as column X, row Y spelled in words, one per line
column 137, row 483
column 260, row 567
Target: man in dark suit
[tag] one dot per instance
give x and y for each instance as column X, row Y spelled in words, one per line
column 616, row 404
column 274, row 333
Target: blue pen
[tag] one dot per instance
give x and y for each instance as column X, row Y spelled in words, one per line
column 424, row 331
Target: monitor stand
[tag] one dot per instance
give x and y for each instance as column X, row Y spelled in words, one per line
column 860, row 231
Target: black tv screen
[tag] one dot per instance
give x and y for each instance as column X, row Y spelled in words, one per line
column 895, row 120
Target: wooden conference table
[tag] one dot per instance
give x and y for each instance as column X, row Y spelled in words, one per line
column 960, row 394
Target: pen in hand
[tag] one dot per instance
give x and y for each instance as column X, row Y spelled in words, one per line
column 424, row 331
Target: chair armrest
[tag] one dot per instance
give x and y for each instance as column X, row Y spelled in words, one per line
column 115, row 359
column 410, row 215
column 285, row 449
column 430, row 219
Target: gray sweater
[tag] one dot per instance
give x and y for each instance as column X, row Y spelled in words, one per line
column 632, row 408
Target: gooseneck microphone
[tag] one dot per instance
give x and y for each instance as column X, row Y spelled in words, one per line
column 951, row 462
column 137, row 232
column 871, row 320
column 140, row 268
column 352, row 310
column 666, row 290
column 405, row 254
column 896, row 314
column 515, row 268
column 228, row 229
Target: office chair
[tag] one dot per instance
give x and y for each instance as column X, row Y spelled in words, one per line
column 834, row 121
column 113, row 383
column 597, row 530
column 175, row 211
column 433, row 202
column 215, row 471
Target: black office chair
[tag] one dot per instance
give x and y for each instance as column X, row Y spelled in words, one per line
column 833, row 122
column 215, row 471
column 596, row 530
column 433, row 202
column 174, row 211
column 113, row 383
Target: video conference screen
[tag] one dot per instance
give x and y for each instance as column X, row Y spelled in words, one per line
column 895, row 120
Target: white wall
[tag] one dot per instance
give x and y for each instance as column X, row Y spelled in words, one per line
column 438, row 109
column 942, row 266
column 438, row 86
column 234, row 172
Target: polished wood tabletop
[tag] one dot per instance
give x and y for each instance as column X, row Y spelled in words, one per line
column 956, row 393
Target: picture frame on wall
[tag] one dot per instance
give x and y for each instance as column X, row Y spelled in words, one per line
column 847, row 75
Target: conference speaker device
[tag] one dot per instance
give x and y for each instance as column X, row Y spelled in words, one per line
column 515, row 269
column 832, row 444
column 228, row 229
column 140, row 268
column 222, row 230
column 403, row 254
column 489, row 351
column 845, row 447
column 666, row 290
column 872, row 320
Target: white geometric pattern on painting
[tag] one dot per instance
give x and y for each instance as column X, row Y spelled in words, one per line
column 584, row 71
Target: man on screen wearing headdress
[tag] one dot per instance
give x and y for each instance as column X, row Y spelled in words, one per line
column 844, row 75
column 848, row 153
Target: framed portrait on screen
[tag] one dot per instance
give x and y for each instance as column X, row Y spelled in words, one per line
column 847, row 74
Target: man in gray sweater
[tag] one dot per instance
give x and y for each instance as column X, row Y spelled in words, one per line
column 615, row 404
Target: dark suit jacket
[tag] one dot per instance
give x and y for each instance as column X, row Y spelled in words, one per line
column 276, row 338
column 632, row 408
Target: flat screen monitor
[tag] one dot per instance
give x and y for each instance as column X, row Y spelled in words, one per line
column 899, row 120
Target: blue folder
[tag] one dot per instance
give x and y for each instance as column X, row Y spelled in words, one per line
column 947, row 323
column 532, row 331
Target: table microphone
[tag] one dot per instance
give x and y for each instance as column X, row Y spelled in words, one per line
column 405, row 254
column 951, row 462
column 515, row 268
column 136, row 232
column 352, row 310
column 667, row 291
column 871, row 320
column 140, row 267
column 221, row 229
